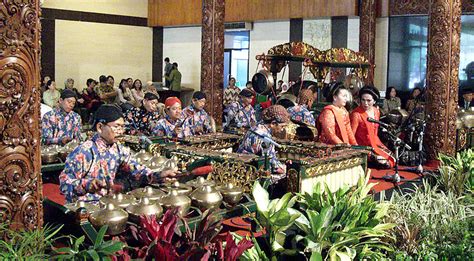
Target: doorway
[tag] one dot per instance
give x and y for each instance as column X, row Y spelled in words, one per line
column 236, row 57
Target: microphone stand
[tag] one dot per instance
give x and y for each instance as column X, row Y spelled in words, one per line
column 419, row 169
column 395, row 177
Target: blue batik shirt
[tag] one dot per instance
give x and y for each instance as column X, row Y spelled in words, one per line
column 241, row 116
column 199, row 122
column 166, row 128
column 300, row 113
column 58, row 124
column 95, row 159
column 252, row 144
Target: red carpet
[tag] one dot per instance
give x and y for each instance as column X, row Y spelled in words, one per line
column 52, row 192
column 376, row 175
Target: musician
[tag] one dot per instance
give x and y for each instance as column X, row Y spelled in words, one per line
column 333, row 124
column 275, row 118
column 366, row 133
column 141, row 120
column 91, row 168
column 62, row 125
column 196, row 117
column 242, row 114
column 300, row 112
column 170, row 125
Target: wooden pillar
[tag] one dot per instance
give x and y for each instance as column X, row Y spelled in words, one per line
column 157, row 55
column 368, row 13
column 442, row 75
column 212, row 56
column 20, row 161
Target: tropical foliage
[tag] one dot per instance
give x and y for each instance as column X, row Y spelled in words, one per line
column 347, row 224
column 27, row 244
column 100, row 250
column 432, row 223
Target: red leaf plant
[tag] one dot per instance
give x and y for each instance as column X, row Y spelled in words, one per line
column 156, row 238
column 232, row 251
column 159, row 242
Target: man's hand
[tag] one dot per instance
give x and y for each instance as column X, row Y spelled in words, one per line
column 96, row 185
column 178, row 130
column 163, row 176
column 65, row 140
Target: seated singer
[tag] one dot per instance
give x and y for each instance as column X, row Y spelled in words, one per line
column 275, row 118
column 91, row 168
column 366, row 133
column 241, row 114
column 170, row 125
column 334, row 125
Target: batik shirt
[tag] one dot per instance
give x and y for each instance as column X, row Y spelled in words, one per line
column 139, row 120
column 231, row 94
column 58, row 124
column 252, row 144
column 165, row 128
column 94, row 159
column 240, row 116
column 199, row 122
column 300, row 113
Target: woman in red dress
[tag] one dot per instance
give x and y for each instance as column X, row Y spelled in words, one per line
column 366, row 132
column 333, row 124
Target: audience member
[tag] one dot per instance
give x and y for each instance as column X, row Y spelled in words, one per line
column 391, row 102
column 51, row 95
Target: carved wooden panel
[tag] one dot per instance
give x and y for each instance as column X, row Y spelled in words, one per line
column 212, row 56
column 405, row 7
column 421, row 7
column 20, row 178
column 368, row 14
column 442, row 75
column 467, row 6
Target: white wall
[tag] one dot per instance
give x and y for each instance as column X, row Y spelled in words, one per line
column 183, row 45
column 87, row 50
column 264, row 36
column 381, row 53
column 118, row 7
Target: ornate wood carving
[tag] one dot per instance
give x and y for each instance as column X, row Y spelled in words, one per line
column 467, row 6
column 421, row 7
column 20, row 177
column 368, row 14
column 212, row 56
column 405, row 7
column 442, row 75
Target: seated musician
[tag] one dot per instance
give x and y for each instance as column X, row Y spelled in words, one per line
column 241, row 114
column 366, row 133
column 333, row 124
column 141, row 120
column 91, row 168
column 62, row 124
column 275, row 118
column 300, row 112
column 170, row 125
column 196, row 117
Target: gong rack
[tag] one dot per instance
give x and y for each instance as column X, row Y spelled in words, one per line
column 240, row 169
column 318, row 62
